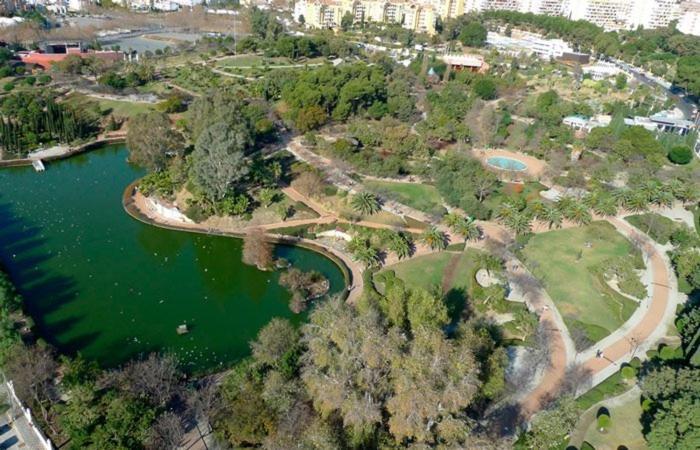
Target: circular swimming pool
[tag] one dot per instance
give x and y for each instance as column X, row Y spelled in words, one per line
column 501, row 162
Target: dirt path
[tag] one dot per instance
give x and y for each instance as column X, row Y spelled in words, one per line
column 448, row 275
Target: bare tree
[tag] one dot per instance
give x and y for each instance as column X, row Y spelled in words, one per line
column 529, row 285
column 205, row 403
column 32, row 370
column 577, row 379
column 166, row 433
column 538, row 357
column 257, row 249
column 155, row 379
column 309, row 183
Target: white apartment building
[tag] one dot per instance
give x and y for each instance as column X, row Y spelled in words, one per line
column 415, row 14
column 689, row 20
column 653, row 13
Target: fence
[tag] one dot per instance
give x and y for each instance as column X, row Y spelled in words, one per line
column 39, row 437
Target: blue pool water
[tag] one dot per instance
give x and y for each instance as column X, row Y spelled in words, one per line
column 506, row 163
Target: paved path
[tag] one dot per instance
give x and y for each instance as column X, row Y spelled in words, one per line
column 639, row 333
column 643, row 330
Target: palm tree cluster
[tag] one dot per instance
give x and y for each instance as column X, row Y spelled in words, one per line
column 364, row 252
column 518, row 216
column 365, row 203
column 435, row 239
column 463, row 226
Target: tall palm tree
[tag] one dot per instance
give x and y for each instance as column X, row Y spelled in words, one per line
column 605, row 205
column 468, row 229
column 552, row 216
column 622, row 196
column 365, row 203
column 453, row 219
column 435, row 239
column 488, row 262
column 464, row 226
column 637, row 201
column 400, row 245
column 663, row 197
column 579, row 214
column 519, row 223
column 537, row 209
column 506, row 210
column 362, row 251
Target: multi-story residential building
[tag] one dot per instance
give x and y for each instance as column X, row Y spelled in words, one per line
column 651, row 14
column 420, row 15
column 416, row 16
column 689, row 20
column 609, row 14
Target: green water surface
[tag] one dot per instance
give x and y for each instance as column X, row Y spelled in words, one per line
column 99, row 282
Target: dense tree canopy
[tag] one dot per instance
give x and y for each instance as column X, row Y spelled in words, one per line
column 151, row 140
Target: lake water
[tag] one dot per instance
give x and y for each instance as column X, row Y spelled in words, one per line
column 99, row 282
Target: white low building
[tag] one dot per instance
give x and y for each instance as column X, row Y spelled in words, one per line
column 529, row 43
column 601, row 70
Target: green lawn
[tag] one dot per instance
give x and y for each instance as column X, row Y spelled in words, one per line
column 121, row 109
column 612, row 386
column 259, row 61
column 625, row 428
column 428, row 271
column 454, row 272
column 658, row 227
column 569, row 268
column 422, row 197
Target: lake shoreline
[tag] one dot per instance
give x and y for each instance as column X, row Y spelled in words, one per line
column 133, row 204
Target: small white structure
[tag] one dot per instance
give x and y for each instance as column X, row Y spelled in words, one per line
column 579, row 122
column 601, row 70
column 168, row 212
column 337, row 234
column 38, row 165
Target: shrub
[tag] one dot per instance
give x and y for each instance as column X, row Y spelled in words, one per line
column 667, row 353
column 30, row 81
column 636, row 362
column 44, row 79
column 680, row 154
column 604, row 422
column 628, row 372
column 485, row 88
column 8, row 87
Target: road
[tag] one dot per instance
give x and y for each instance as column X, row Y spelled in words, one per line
column 686, row 105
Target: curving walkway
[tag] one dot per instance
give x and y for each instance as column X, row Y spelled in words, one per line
column 638, row 334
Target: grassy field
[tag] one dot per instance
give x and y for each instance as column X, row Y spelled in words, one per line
column 428, row 271
column 422, row 197
column 454, row 272
column 658, row 227
column 568, row 262
column 259, row 61
column 118, row 108
column 625, row 429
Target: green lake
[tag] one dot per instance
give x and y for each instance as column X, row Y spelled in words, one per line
column 98, row 282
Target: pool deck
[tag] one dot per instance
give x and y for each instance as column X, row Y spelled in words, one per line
column 535, row 167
